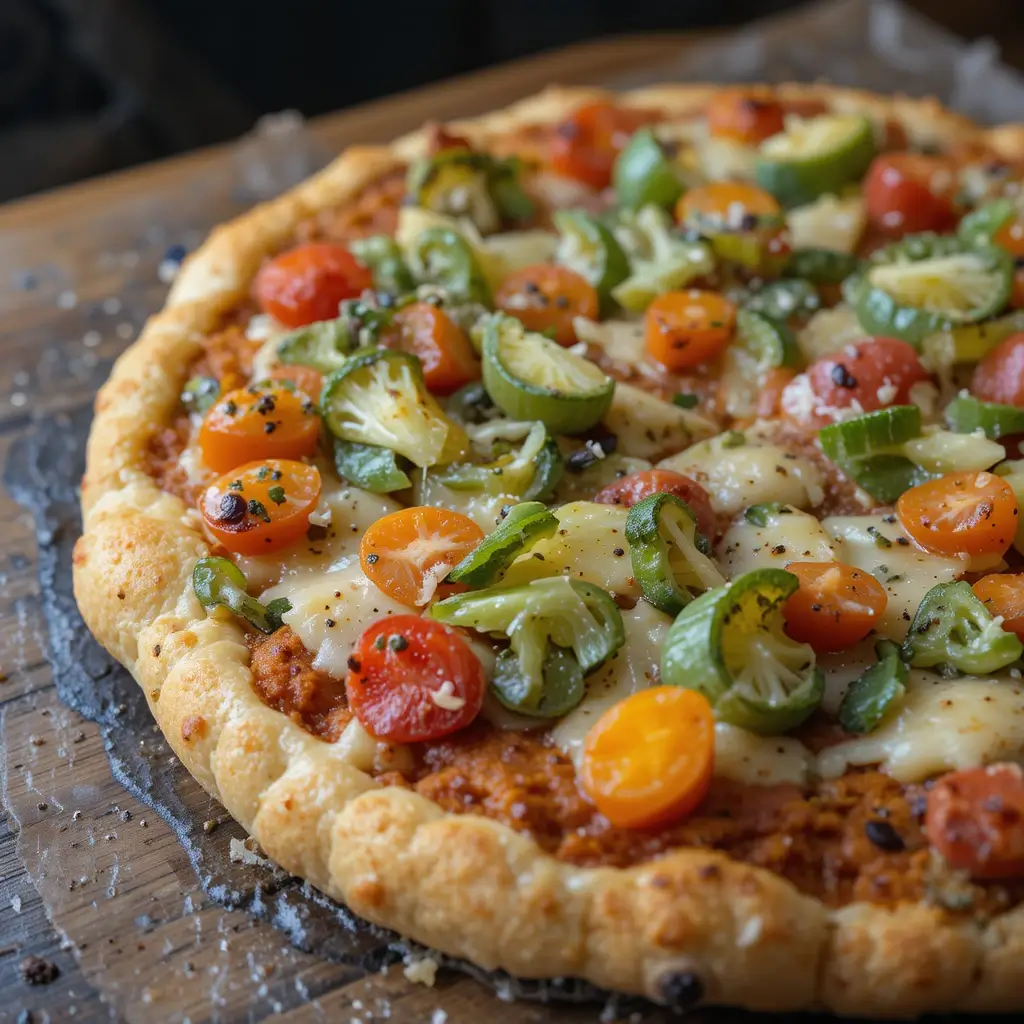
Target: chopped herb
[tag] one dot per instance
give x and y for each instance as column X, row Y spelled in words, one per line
column 235, row 485
column 686, row 400
column 258, row 509
column 262, row 473
column 276, row 494
column 733, row 439
column 397, row 642
column 880, row 539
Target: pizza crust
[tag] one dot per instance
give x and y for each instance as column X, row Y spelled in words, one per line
column 463, row 884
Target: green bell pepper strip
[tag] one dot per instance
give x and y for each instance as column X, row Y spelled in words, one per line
column 521, row 528
column 730, row 645
column 669, row 557
column 530, row 377
column 200, row 394
column 782, row 300
column 644, row 174
column 760, row 515
column 555, row 611
column 531, row 472
column 876, row 692
column 955, row 631
column 562, row 688
column 866, row 448
column 822, row 266
column 981, row 225
column 383, row 255
column 590, row 249
column 965, row 414
column 324, row 345
column 218, row 582
column 443, row 257
column 815, row 156
column 370, row 467
column 768, row 342
column 929, row 283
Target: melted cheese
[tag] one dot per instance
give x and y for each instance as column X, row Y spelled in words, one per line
column 750, row 473
column 484, row 509
column 329, row 612
column 943, row 725
column 648, row 428
column 828, row 223
column 760, row 760
column 790, row 536
column 584, row 548
column 829, row 331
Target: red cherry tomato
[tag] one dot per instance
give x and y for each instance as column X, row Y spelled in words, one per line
column 999, row 377
column 749, row 114
column 309, row 283
column 586, row 144
column 975, row 819
column 909, row 192
column 637, row 486
column 875, row 373
column 412, row 679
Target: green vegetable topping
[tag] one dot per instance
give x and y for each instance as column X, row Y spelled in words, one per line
column 686, row 400
column 645, row 174
column 324, row 345
column 589, row 248
column 955, row 631
column 522, row 527
column 442, row 257
column 546, row 622
column 876, row 692
column 530, row 377
column 670, row 558
column 369, row 466
column 981, row 225
column 965, row 414
column 730, row 645
column 383, row 255
column 822, row 266
column 200, row 394
column 218, row 582
column 761, row 515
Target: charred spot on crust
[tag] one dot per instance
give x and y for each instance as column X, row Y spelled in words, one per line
column 681, row 990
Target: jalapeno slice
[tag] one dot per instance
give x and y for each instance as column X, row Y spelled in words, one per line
column 590, row 249
column 875, row 693
column 441, row 256
column 370, row 466
column 383, row 255
column 324, row 345
column 966, row 414
column 219, row 583
column 644, row 173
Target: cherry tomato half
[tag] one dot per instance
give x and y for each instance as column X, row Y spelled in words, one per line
column 686, row 329
column 975, row 819
column 637, row 486
column 407, row 553
column 910, row 192
column 734, row 205
column 441, row 346
column 412, row 679
column 309, row 283
column 960, row 514
column 746, row 115
column 1002, row 593
column 262, row 506
column 547, row 297
column 648, row 759
column 265, row 421
column 999, row 377
column 586, row 144
column 836, row 606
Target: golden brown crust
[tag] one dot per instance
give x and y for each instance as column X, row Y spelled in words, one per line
column 465, row 885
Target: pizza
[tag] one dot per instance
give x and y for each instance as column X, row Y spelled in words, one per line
column 586, row 540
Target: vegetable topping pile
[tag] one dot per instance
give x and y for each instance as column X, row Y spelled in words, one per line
column 677, row 438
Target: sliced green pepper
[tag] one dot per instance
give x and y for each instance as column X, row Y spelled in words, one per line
column 965, row 414
column 769, row 343
column 644, row 173
column 383, row 255
column 588, row 247
column 955, row 631
column 443, row 257
column 324, row 345
column 529, row 377
column 730, row 645
column 377, row 397
column 981, row 225
column 522, row 526
column 539, row 618
column 218, row 582
column 669, row 557
column 822, row 266
column 876, row 692
column 200, row 394
column 562, row 689
column 369, row 466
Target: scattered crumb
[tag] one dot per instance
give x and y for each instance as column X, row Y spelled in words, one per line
column 37, row 971
column 16, row 904
column 422, row 971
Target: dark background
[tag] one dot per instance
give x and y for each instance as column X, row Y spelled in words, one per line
column 87, row 86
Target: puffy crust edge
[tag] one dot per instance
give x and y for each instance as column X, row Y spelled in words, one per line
column 463, row 884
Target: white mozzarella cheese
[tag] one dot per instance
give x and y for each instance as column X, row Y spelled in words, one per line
column 648, row 428
column 330, row 611
column 760, row 760
column 483, row 509
column 789, row 536
column 944, row 724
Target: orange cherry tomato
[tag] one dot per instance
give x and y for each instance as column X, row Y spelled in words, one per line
column 746, row 115
column 648, row 759
column 262, row 506
column 999, row 377
column 975, row 819
column 546, row 297
column 305, row 378
column 637, row 486
column 265, row 421
column 412, row 679
column 586, row 144
column 406, row 554
column 769, row 398
column 836, row 606
column 960, row 514
column 309, row 283
column 683, row 330
column 1002, row 593
column 729, row 205
column 910, row 192
column 441, row 346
